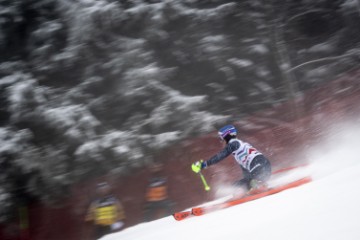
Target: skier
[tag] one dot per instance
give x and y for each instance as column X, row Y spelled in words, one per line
column 255, row 166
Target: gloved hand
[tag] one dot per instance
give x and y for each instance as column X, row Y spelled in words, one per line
column 197, row 166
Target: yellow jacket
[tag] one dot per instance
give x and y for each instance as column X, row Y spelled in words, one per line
column 105, row 211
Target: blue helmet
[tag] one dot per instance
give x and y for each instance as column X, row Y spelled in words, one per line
column 227, row 130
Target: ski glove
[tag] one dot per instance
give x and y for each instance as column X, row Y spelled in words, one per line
column 197, row 166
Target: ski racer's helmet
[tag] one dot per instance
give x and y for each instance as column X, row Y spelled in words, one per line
column 227, row 132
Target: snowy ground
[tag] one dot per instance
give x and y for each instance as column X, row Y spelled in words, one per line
column 327, row 208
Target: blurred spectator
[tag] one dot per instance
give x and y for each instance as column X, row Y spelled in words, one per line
column 157, row 200
column 105, row 212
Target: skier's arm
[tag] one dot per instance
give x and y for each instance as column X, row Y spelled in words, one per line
column 231, row 147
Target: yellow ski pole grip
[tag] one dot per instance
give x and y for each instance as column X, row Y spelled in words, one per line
column 207, row 187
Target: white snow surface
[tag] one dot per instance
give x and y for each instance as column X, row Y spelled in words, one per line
column 327, row 208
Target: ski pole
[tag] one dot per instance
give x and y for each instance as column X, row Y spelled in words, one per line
column 207, row 187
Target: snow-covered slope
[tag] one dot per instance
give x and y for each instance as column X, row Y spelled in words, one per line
column 328, row 208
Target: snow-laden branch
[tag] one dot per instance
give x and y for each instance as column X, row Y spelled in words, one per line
column 322, row 60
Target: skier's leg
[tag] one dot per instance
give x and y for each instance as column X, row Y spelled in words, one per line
column 260, row 174
column 261, row 169
column 242, row 183
column 245, row 181
column 240, row 187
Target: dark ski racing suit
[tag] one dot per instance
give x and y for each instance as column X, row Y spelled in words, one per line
column 253, row 163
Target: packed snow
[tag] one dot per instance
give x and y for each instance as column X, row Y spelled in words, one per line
column 327, row 208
